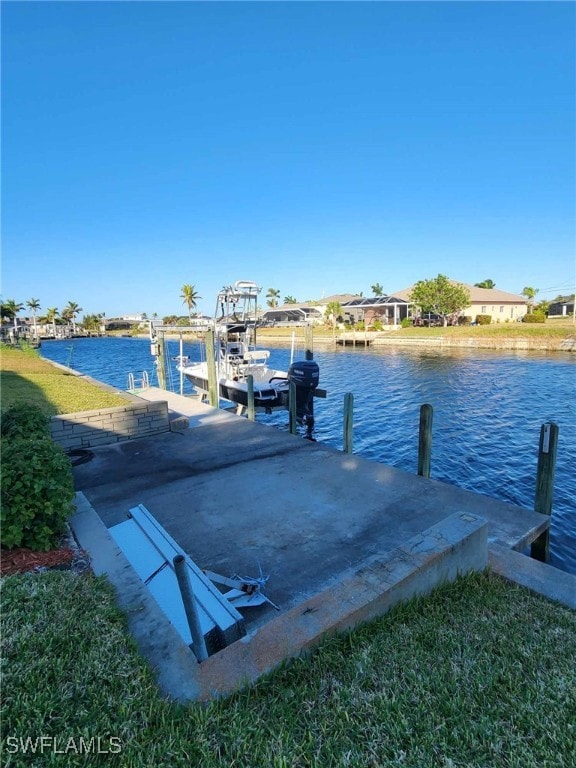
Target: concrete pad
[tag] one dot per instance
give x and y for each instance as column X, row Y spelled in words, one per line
column 456, row 545
column 190, row 407
column 539, row 577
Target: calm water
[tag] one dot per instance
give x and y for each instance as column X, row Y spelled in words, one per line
column 488, row 410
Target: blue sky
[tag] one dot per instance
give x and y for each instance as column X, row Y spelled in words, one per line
column 316, row 148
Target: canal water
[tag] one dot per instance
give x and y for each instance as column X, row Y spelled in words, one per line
column 488, row 410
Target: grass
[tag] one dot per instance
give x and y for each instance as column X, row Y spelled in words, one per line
column 481, row 673
column 25, row 377
column 551, row 330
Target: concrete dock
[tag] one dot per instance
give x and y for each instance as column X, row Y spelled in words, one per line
column 326, row 527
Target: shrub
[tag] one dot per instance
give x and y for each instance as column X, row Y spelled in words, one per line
column 464, row 320
column 37, row 492
column 534, row 317
column 24, row 420
column 483, row 319
column 360, row 326
column 407, row 322
column 377, row 325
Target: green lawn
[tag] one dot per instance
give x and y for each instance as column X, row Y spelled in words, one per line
column 25, row 377
column 479, row 674
column 560, row 329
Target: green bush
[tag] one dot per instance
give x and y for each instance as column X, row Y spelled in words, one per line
column 24, row 420
column 483, row 319
column 377, row 325
column 464, row 320
column 407, row 322
column 37, row 492
column 534, row 317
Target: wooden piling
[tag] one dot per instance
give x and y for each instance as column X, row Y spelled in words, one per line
column 309, row 342
column 292, row 409
column 161, row 361
column 425, row 440
column 547, row 450
column 348, row 421
column 250, row 392
column 211, row 362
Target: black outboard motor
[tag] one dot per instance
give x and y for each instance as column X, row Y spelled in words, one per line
column 305, row 375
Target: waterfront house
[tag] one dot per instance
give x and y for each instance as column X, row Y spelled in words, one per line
column 563, row 306
column 501, row 306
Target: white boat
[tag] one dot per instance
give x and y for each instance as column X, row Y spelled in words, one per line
column 236, row 357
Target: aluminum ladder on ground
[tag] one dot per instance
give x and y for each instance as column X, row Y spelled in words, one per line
column 150, row 550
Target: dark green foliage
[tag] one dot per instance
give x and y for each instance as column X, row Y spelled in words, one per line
column 407, row 322
column 534, row 317
column 464, row 320
column 37, row 492
column 24, row 420
column 483, row 319
column 37, row 486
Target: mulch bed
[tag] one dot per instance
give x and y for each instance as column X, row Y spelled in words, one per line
column 25, row 560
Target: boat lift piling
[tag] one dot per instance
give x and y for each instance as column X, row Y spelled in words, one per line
column 547, row 450
column 213, row 394
column 425, row 440
column 292, row 419
column 348, row 421
column 250, row 395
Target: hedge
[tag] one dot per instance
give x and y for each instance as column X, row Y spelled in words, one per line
column 37, row 485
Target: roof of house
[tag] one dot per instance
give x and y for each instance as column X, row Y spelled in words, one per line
column 477, row 295
column 341, row 298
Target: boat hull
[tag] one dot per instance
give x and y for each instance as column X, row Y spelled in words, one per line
column 266, row 396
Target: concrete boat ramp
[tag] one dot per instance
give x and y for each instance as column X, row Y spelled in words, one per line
column 341, row 538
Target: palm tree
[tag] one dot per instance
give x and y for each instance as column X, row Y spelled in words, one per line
column 377, row 289
column 51, row 315
column 290, row 300
column 529, row 293
column 272, row 296
column 34, row 305
column 333, row 312
column 189, row 296
column 10, row 309
column 485, row 284
column 71, row 310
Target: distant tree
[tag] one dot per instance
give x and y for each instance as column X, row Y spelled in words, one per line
column 530, row 293
column 272, row 296
column 485, row 284
column 10, row 309
column 290, row 300
column 377, row 289
column 51, row 315
column 34, row 305
column 170, row 320
column 92, row 323
column 543, row 307
column 440, row 296
column 189, row 297
column 333, row 312
column 72, row 309
column 66, row 314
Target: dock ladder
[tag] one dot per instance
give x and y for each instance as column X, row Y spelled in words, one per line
column 141, row 383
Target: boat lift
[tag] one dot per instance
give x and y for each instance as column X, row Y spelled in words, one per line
column 151, row 551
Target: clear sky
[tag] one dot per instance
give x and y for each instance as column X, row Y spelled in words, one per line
column 313, row 147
